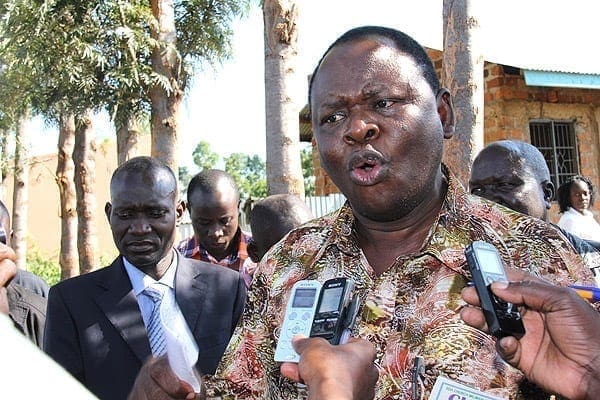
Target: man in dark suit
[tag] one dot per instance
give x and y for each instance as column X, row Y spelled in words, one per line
column 97, row 323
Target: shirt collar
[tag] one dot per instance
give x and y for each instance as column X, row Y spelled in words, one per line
column 450, row 217
column 140, row 280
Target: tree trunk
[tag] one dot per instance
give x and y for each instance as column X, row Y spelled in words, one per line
column 165, row 103
column 463, row 75
column 128, row 135
column 284, row 169
column 65, row 175
column 20, row 193
column 84, row 157
column 3, row 162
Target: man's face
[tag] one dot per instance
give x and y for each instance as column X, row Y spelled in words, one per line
column 377, row 127
column 142, row 217
column 513, row 185
column 215, row 219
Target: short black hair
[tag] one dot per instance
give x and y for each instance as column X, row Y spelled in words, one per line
column 564, row 191
column 207, row 181
column 143, row 165
column 527, row 154
column 403, row 43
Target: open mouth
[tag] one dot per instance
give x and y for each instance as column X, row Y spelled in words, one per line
column 366, row 169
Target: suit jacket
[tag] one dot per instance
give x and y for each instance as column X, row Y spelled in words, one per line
column 94, row 326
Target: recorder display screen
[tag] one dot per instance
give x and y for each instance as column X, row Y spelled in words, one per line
column 489, row 261
column 331, row 299
column 304, row 298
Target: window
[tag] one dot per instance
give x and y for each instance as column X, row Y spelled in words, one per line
column 556, row 140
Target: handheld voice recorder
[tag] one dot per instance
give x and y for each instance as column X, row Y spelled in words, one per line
column 298, row 319
column 503, row 319
column 336, row 311
column 328, row 311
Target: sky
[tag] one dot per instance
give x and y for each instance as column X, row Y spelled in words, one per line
column 224, row 105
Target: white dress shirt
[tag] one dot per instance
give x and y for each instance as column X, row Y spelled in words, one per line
column 140, row 281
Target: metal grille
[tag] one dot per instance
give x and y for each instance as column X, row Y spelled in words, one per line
column 557, row 142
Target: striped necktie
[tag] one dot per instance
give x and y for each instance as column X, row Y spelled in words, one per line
column 156, row 336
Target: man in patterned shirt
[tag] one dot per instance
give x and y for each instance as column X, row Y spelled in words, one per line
column 213, row 200
column 379, row 119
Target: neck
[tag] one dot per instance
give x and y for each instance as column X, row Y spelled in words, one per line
column 161, row 267
column 383, row 242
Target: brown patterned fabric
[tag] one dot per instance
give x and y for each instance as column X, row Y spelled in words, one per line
column 410, row 310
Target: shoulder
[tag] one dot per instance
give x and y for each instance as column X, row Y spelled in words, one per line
column 205, row 269
column 32, row 282
column 20, row 295
column 83, row 282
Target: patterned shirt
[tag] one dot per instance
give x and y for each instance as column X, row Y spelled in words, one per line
column 410, row 310
column 238, row 261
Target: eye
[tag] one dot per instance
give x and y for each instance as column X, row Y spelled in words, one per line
column 226, row 221
column 332, row 118
column 476, row 191
column 157, row 213
column 384, row 103
column 125, row 214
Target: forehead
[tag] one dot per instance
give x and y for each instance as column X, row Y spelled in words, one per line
column 223, row 197
column 365, row 62
column 498, row 161
column 579, row 185
column 143, row 188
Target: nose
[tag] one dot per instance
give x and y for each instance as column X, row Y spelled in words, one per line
column 361, row 131
column 139, row 227
column 215, row 231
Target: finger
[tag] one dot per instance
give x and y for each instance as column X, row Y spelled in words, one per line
column 300, row 343
column 474, row 317
column 290, row 371
column 537, row 295
column 509, row 349
column 469, row 294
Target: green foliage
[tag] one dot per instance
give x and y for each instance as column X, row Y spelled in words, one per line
column 308, row 171
column 204, row 157
column 249, row 174
column 44, row 267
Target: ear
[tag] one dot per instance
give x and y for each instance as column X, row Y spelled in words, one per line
column 252, row 250
column 548, row 189
column 446, row 112
column 179, row 209
column 107, row 211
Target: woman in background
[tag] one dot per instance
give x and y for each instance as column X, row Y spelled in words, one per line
column 575, row 197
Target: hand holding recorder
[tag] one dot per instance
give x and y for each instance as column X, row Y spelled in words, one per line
column 340, row 372
column 560, row 350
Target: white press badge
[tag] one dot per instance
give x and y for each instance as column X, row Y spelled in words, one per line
column 447, row 389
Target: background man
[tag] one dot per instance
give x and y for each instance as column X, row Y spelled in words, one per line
column 272, row 218
column 100, row 326
column 213, row 201
column 515, row 174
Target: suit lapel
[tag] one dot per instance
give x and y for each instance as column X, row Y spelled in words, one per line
column 189, row 292
column 120, row 306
